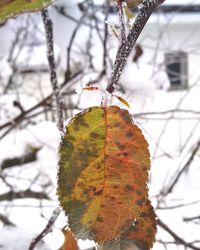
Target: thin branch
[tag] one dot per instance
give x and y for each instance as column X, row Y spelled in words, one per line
column 68, row 71
column 6, row 221
column 18, row 161
column 176, row 237
column 178, row 206
column 23, row 195
column 122, row 22
column 20, row 118
column 196, row 112
column 184, row 168
column 48, row 25
column 47, row 228
column 125, row 48
column 105, row 54
column 187, row 219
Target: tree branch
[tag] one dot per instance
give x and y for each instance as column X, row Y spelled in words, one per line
column 125, row 48
column 48, row 25
column 27, row 158
column 23, row 195
column 20, row 118
column 47, row 228
column 6, row 221
column 184, row 168
column 121, row 20
column 177, row 238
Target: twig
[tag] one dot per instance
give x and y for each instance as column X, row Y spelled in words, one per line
column 178, row 206
column 48, row 25
column 18, row 161
column 68, row 71
column 177, row 238
column 125, row 48
column 184, row 168
column 23, row 195
column 187, row 219
column 6, row 221
column 104, row 71
column 47, row 229
column 121, row 20
column 21, row 117
column 196, row 112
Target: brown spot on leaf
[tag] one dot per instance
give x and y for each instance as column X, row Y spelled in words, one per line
column 94, row 135
column 140, row 202
column 120, row 145
column 143, row 214
column 99, row 218
column 138, row 192
column 126, row 117
column 117, row 124
column 76, row 126
column 129, row 134
column 125, row 154
column 83, row 123
column 97, row 193
column 129, row 188
column 99, row 166
column 71, row 138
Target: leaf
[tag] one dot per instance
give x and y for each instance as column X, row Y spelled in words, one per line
column 70, row 242
column 130, row 3
column 10, row 8
column 104, row 163
column 129, row 15
column 114, row 31
column 133, row 3
column 90, row 88
column 121, row 99
column 144, row 230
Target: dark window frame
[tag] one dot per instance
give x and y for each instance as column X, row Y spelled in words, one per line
column 176, row 64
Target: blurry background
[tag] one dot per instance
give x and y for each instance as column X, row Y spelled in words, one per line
column 161, row 81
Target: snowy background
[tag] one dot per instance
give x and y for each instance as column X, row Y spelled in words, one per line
column 170, row 120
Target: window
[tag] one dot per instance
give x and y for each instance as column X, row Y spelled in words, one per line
column 177, row 69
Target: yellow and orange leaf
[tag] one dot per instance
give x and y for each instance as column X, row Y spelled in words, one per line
column 103, row 173
column 70, row 242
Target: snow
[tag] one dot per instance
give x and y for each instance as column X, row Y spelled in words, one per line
column 34, row 57
column 146, row 91
column 143, row 79
column 7, row 109
column 15, row 238
column 6, row 71
column 44, row 136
